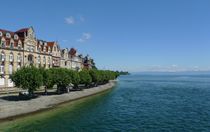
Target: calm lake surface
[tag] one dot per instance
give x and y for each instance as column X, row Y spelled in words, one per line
column 137, row 103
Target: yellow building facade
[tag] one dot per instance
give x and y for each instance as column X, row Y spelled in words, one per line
column 22, row 48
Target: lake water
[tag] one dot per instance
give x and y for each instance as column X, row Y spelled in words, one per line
column 137, row 103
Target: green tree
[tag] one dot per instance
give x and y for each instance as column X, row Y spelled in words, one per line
column 85, row 77
column 95, row 76
column 29, row 78
column 62, row 78
column 75, row 79
column 48, row 80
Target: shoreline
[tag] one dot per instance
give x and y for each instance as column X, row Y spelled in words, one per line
column 11, row 110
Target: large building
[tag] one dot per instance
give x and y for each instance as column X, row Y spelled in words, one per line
column 22, row 48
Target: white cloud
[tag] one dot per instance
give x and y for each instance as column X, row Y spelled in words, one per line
column 85, row 37
column 70, row 20
column 73, row 20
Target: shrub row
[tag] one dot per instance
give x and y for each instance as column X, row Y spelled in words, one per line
column 32, row 78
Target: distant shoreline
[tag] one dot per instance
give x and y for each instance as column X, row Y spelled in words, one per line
column 11, row 110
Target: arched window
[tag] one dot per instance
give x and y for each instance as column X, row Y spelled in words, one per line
column 19, row 57
column 44, row 60
column 11, row 57
column 18, row 66
column 39, row 60
column 48, row 60
column 10, row 68
column 30, row 59
column 2, row 69
column 11, row 45
column 2, row 56
column 3, row 44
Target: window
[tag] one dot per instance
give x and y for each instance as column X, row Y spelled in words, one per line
column 28, row 48
column 15, row 37
column 1, row 34
column 44, row 59
column 2, row 56
column 19, row 46
column 3, row 44
column 65, row 63
column 39, row 59
column 10, row 69
column 32, row 49
column 18, row 66
column 11, row 45
column 19, row 58
column 2, row 69
column 11, row 57
column 38, row 49
column 48, row 60
column 8, row 35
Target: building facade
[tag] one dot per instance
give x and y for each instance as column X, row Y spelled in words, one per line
column 22, row 48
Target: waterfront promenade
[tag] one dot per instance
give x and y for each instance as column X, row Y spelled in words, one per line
column 10, row 109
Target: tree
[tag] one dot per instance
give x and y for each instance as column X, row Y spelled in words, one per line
column 28, row 78
column 95, row 76
column 61, row 78
column 48, row 80
column 75, row 78
column 85, row 77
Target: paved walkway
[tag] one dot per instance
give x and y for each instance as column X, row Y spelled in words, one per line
column 10, row 108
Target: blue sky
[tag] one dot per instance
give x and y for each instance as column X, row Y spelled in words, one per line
column 133, row 35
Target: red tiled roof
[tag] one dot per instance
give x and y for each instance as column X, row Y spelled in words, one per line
column 51, row 44
column 23, row 30
column 72, row 51
column 6, row 31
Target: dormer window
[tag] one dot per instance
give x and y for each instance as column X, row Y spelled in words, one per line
column 3, row 44
column 15, row 36
column 19, row 46
column 1, row 34
column 11, row 45
column 8, row 35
